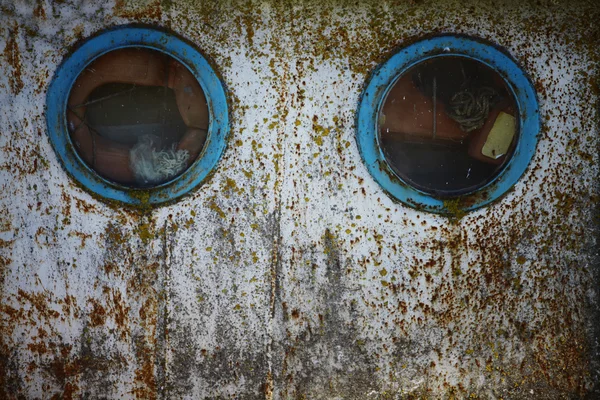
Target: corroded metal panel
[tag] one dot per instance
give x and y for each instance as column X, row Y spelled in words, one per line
column 290, row 273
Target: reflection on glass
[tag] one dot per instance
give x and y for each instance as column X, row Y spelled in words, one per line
column 448, row 125
column 137, row 117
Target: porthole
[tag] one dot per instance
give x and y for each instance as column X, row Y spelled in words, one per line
column 448, row 124
column 137, row 115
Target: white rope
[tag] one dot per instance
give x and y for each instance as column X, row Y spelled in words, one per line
column 470, row 108
column 150, row 166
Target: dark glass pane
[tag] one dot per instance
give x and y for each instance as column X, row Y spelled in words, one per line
column 448, row 125
column 137, row 117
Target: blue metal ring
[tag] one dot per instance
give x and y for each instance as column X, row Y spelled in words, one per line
column 133, row 36
column 383, row 79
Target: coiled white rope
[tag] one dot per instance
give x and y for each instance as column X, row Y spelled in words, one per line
column 471, row 107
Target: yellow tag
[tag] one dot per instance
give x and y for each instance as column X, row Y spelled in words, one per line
column 500, row 136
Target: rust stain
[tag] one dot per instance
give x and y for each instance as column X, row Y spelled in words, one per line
column 69, row 306
column 145, row 374
column 269, row 386
column 67, row 368
column 81, row 235
column 22, row 160
column 85, row 207
column 39, row 11
column 40, row 303
column 98, row 314
column 111, row 268
column 44, row 344
column 13, row 59
column 152, row 10
column 4, row 263
column 119, row 311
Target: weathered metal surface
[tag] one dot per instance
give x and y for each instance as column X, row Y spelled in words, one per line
column 290, row 273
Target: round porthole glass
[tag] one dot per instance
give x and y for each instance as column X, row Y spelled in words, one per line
column 448, row 124
column 137, row 115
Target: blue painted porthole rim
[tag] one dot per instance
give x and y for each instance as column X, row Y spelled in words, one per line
column 383, row 78
column 155, row 39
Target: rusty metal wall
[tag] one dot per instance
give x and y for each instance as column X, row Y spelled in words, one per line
column 290, row 273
